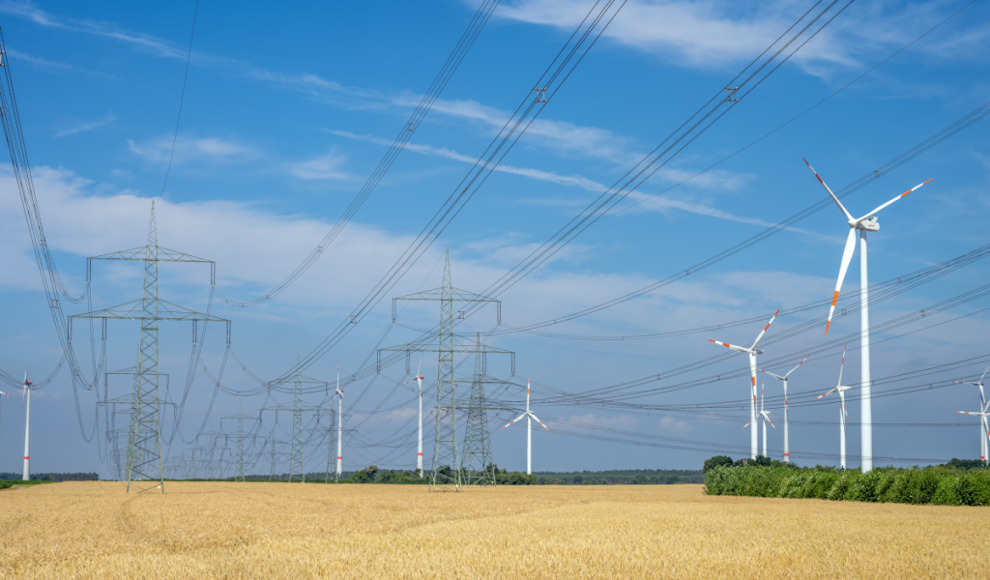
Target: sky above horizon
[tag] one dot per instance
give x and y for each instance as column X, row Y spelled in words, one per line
column 288, row 110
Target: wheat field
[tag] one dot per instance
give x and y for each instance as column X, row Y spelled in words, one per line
column 279, row 530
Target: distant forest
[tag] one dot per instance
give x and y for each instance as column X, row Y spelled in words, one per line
column 52, row 477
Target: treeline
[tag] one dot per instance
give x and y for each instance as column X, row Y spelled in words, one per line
column 621, row 477
column 959, row 482
column 52, row 477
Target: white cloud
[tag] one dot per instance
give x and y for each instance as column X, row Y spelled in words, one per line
column 669, row 423
column 327, row 166
column 106, row 120
column 214, row 148
column 576, row 421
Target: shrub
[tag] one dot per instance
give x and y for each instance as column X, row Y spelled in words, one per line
column 940, row 485
column 715, row 462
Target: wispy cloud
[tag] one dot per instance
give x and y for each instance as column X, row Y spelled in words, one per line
column 106, row 120
column 668, row 423
column 324, row 167
column 443, row 152
column 212, row 148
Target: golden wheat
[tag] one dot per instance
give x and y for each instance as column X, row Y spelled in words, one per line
column 278, row 530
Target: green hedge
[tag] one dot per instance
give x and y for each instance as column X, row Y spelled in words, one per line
column 930, row 485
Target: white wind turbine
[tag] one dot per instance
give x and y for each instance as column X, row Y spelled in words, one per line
column 340, row 421
column 765, row 418
column 843, row 414
column 752, row 351
column 529, row 431
column 983, row 415
column 870, row 223
column 419, row 448
column 27, row 428
column 787, row 451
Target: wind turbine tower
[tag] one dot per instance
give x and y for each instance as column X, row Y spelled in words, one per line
column 867, row 223
column 27, row 429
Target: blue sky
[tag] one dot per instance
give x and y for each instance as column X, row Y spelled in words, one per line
column 288, row 110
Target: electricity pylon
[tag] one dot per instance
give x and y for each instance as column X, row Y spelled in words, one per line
column 144, row 449
column 210, row 451
column 240, row 438
column 297, row 408
column 126, row 405
column 275, row 453
column 477, row 463
column 445, row 473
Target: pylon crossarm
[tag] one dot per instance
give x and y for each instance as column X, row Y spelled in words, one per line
column 453, row 294
column 460, row 346
column 141, row 255
column 133, row 310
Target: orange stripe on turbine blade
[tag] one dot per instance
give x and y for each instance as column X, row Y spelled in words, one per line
column 827, row 325
column 835, row 297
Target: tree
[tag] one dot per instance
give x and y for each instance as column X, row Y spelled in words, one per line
column 716, row 461
column 641, row 480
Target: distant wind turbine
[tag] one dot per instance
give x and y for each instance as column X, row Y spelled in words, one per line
column 764, row 417
column 843, row 414
column 340, row 421
column 752, row 352
column 419, row 447
column 984, row 430
column 868, row 222
column 529, row 430
column 787, row 448
column 27, row 428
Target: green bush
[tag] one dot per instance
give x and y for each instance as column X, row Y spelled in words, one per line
column 939, row 485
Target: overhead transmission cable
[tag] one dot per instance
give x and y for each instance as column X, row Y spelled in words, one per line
column 584, row 37
column 454, row 59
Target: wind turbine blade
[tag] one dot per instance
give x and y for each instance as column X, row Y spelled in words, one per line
column 771, row 422
column 747, row 425
column 827, row 394
column 729, row 346
column 984, row 374
column 796, row 367
column 891, row 201
column 764, row 331
column 778, row 377
column 841, row 366
column 419, row 370
column 538, row 421
column 752, row 372
column 834, row 198
column 847, row 255
column 514, row 420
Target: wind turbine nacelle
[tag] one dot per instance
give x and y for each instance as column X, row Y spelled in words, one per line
column 870, row 224
column 759, row 351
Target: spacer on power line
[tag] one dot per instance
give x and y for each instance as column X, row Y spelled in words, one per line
column 541, row 95
column 732, row 94
column 410, row 126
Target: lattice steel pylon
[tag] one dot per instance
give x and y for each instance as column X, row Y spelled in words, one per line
column 240, row 438
column 297, row 408
column 275, row 453
column 445, row 472
column 477, row 465
column 144, row 454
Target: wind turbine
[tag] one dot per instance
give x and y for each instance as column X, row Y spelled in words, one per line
column 340, row 421
column 27, row 428
column 765, row 416
column 419, row 448
column 983, row 416
column 870, row 223
column 843, row 414
column 787, row 453
column 529, row 431
column 752, row 352
column 983, row 429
